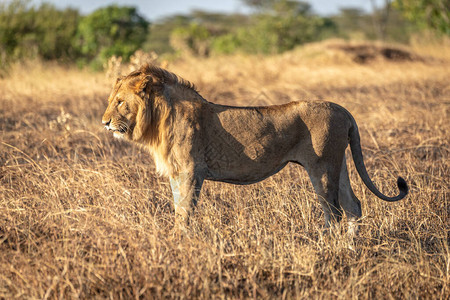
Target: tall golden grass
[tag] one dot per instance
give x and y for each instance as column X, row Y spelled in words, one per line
column 84, row 216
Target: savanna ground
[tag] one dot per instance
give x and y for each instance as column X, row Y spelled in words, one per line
column 83, row 215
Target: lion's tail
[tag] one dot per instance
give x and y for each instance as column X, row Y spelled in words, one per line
column 355, row 146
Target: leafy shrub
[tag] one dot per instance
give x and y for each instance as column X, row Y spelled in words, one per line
column 432, row 14
column 109, row 31
column 28, row 32
column 271, row 34
column 193, row 39
column 226, row 44
column 278, row 27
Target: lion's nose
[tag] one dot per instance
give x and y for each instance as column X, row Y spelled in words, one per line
column 106, row 123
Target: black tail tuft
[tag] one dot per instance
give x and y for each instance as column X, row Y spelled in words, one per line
column 402, row 186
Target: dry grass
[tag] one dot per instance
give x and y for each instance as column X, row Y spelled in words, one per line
column 84, row 216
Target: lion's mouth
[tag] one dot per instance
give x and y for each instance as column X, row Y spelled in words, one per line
column 116, row 130
column 122, row 130
column 119, row 133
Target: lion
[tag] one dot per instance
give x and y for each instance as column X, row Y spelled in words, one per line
column 192, row 140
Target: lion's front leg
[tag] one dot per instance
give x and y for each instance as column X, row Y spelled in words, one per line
column 186, row 191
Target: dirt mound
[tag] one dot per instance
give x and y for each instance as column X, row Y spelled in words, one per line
column 338, row 51
column 364, row 53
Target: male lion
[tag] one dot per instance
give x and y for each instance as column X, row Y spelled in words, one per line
column 192, row 139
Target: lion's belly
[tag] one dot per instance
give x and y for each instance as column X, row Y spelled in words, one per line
column 247, row 165
column 244, row 174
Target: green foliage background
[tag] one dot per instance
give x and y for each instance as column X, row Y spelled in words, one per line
column 432, row 14
column 30, row 32
column 108, row 31
column 275, row 26
column 53, row 34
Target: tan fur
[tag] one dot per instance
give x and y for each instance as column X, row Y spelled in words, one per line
column 192, row 139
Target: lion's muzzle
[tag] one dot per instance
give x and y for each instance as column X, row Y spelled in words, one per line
column 106, row 123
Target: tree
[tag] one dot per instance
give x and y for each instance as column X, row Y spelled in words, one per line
column 193, row 39
column 55, row 30
column 259, row 4
column 380, row 17
column 281, row 26
column 280, row 6
column 158, row 40
column 45, row 32
column 111, row 30
column 278, row 33
column 433, row 14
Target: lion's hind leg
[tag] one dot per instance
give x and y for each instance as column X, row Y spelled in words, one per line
column 325, row 180
column 348, row 201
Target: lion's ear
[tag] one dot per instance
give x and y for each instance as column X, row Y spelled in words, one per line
column 142, row 84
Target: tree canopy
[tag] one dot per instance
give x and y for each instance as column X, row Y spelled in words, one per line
column 433, row 14
column 45, row 31
column 112, row 30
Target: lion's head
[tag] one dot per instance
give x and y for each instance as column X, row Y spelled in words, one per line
column 139, row 106
column 126, row 114
column 140, row 109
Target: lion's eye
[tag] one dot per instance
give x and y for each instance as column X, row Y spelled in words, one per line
column 119, row 103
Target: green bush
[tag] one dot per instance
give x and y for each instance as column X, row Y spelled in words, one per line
column 432, row 14
column 108, row 31
column 226, row 44
column 48, row 33
column 27, row 32
column 271, row 34
column 193, row 39
column 275, row 34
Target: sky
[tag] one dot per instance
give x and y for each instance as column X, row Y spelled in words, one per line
column 154, row 10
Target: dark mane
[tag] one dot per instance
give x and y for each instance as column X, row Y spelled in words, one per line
column 162, row 76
